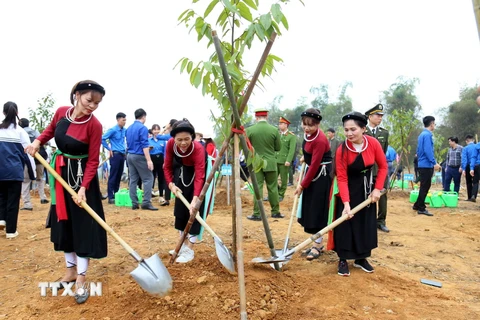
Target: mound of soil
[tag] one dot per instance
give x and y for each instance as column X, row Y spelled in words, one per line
column 445, row 248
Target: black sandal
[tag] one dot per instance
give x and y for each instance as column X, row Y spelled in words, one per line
column 314, row 254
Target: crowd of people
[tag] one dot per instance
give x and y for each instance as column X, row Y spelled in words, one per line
column 179, row 158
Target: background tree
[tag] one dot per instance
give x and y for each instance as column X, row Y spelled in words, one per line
column 440, row 147
column 461, row 117
column 41, row 116
column 401, row 95
column 332, row 112
column 401, row 116
column 402, row 126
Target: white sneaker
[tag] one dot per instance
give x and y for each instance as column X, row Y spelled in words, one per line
column 179, row 253
column 2, row 224
column 14, row 235
column 155, row 193
column 186, row 256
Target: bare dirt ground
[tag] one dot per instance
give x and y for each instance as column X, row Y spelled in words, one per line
column 444, row 248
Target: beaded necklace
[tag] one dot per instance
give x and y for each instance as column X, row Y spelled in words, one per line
column 305, row 136
column 68, row 115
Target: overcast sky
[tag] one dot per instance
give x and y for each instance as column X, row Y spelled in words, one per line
column 131, row 47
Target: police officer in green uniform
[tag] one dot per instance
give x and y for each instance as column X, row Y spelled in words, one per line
column 375, row 116
column 265, row 140
column 285, row 155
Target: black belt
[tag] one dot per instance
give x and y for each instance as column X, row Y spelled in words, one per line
column 119, row 152
column 455, row 167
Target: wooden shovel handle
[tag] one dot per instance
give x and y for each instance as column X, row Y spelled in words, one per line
column 331, row 226
column 88, row 208
column 197, row 216
column 295, row 200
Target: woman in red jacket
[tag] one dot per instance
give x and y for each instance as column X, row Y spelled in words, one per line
column 356, row 237
column 315, row 186
column 184, row 169
column 78, row 134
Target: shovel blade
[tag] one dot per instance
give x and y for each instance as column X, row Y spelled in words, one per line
column 224, row 255
column 271, row 260
column 152, row 275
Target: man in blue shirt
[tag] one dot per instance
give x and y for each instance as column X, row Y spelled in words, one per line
column 140, row 164
column 114, row 141
column 469, row 159
column 426, row 164
column 391, row 156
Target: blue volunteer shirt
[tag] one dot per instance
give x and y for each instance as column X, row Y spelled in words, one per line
column 469, row 156
column 160, row 144
column 116, row 138
column 477, row 154
column 391, row 154
column 137, row 138
column 426, row 158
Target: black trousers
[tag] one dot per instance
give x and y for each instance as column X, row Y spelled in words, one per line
column 425, row 184
column 10, row 203
column 475, row 181
column 158, row 160
column 468, row 181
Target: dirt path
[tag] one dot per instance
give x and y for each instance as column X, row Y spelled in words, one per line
column 444, row 248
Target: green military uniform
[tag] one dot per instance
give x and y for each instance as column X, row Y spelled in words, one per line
column 288, row 142
column 265, row 140
column 381, row 134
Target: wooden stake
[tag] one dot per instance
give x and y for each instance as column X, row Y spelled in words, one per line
column 238, row 124
column 240, row 261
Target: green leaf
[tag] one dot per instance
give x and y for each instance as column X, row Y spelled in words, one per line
column 251, row 4
column 189, row 66
column 208, row 66
column 277, row 28
column 266, row 21
column 276, row 12
column 184, row 64
column 249, row 36
column 259, row 31
column 198, row 78
column 214, row 89
column 192, row 75
column 285, row 22
column 210, row 8
column 206, row 83
column 276, row 58
column 234, row 72
column 182, row 14
column 230, row 7
column 244, row 11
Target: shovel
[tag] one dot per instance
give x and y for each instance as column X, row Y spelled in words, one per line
column 223, row 254
column 151, row 274
column 294, row 210
column 288, row 255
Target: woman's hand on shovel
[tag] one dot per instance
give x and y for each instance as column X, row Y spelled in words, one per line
column 346, row 210
column 299, row 190
column 174, row 188
column 33, row 148
column 80, row 197
column 375, row 195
